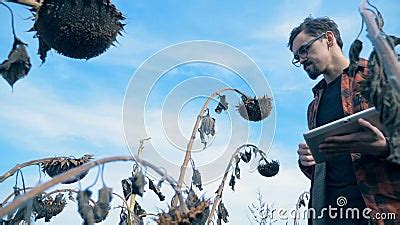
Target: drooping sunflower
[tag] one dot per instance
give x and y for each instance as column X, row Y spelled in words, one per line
column 80, row 29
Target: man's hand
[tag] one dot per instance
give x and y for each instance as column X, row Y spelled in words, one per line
column 305, row 157
column 371, row 141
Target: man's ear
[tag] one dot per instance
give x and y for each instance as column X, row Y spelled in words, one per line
column 331, row 38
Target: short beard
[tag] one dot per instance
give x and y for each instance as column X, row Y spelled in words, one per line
column 314, row 73
column 313, row 76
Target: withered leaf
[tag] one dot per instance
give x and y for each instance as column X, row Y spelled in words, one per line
column 207, row 127
column 84, row 209
column 126, row 188
column 222, row 212
column 237, row 171
column 196, row 179
column 138, row 210
column 103, row 204
column 138, row 183
column 246, row 156
column 222, row 105
column 156, row 190
column 18, row 63
column 232, row 182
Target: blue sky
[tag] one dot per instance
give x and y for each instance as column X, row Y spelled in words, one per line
column 72, row 107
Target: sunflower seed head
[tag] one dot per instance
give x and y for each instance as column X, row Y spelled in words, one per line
column 268, row 169
column 255, row 109
column 78, row 29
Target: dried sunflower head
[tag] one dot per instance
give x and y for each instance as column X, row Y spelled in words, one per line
column 61, row 165
column 80, row 29
column 268, row 169
column 47, row 207
column 255, row 109
column 197, row 214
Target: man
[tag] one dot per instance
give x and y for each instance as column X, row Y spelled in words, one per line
column 356, row 170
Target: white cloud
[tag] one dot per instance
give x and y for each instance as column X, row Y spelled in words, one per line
column 289, row 14
column 47, row 118
column 132, row 48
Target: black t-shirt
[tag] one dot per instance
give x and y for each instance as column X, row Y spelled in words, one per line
column 340, row 177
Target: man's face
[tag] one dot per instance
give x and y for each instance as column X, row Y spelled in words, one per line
column 315, row 60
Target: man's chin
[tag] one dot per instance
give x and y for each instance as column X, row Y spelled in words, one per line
column 313, row 76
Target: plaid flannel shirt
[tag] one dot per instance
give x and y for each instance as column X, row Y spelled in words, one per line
column 377, row 178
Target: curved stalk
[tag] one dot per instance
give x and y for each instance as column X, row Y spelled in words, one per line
column 222, row 185
column 18, row 202
column 13, row 170
column 10, row 196
column 193, row 137
column 133, row 196
column 31, row 3
column 386, row 54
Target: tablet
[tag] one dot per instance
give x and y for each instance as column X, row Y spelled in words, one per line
column 343, row 126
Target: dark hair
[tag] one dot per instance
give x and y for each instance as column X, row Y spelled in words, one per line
column 314, row 27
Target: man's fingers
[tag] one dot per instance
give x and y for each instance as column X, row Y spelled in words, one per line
column 369, row 126
column 303, row 145
column 303, row 151
column 306, row 158
column 366, row 124
column 307, row 163
column 343, row 138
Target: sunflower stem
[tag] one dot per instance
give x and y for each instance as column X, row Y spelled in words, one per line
column 222, row 185
column 387, row 56
column 22, row 199
column 31, row 3
column 193, row 137
column 133, row 196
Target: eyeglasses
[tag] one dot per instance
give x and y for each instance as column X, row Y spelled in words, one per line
column 302, row 52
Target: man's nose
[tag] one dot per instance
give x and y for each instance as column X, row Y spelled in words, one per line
column 302, row 60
